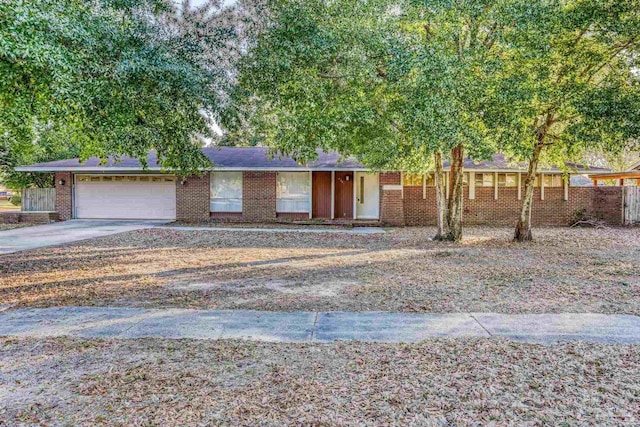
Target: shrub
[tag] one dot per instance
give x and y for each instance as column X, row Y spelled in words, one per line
column 16, row 200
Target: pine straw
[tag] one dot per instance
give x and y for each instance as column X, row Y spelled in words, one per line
column 564, row 270
column 65, row 381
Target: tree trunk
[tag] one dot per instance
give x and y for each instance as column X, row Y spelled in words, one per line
column 441, row 202
column 454, row 208
column 523, row 228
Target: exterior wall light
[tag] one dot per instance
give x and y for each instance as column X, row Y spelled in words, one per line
column 62, row 182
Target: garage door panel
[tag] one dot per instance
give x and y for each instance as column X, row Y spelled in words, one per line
column 125, row 199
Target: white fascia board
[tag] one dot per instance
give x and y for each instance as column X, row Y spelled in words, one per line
column 554, row 171
column 287, row 169
column 274, row 169
column 81, row 169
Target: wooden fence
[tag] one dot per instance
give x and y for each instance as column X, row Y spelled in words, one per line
column 632, row 205
column 39, row 199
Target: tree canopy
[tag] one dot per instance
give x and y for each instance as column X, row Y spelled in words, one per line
column 113, row 77
column 388, row 83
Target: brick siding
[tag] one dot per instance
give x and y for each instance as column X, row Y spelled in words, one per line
column 64, row 195
column 603, row 203
column 397, row 207
column 292, row 216
column 192, row 198
column 392, row 208
column 259, row 196
column 608, row 204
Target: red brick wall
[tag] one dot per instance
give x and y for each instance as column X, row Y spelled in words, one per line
column 192, row 198
column 604, row 203
column 292, row 216
column 607, row 204
column 64, row 198
column 259, row 196
column 392, row 209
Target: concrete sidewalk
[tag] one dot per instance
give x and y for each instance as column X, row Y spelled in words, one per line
column 113, row 322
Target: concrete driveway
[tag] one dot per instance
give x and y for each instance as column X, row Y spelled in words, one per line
column 39, row 236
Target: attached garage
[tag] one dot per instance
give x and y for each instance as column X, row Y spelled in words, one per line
column 125, row 197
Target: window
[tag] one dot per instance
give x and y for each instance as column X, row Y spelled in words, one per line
column 484, row 180
column 412, row 179
column 226, row 192
column 431, row 180
column 552, row 180
column 293, row 191
column 507, row 180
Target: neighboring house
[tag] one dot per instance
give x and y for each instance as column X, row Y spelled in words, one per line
column 245, row 184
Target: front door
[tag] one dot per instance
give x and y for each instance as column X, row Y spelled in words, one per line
column 321, row 194
column 367, row 195
column 344, row 195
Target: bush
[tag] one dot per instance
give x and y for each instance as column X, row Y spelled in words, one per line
column 16, row 200
column 579, row 215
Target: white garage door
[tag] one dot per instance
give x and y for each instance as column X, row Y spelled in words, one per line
column 125, row 197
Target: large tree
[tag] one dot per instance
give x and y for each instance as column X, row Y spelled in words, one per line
column 106, row 77
column 397, row 85
column 572, row 86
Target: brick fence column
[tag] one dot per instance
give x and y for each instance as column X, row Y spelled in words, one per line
column 64, row 195
column 192, row 198
column 391, row 203
column 259, row 196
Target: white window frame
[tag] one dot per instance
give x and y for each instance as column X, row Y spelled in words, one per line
column 300, row 201
column 230, row 202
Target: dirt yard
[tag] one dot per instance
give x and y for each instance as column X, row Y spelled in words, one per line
column 564, row 270
column 66, row 381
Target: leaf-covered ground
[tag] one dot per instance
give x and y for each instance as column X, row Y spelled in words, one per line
column 65, row 381
column 564, row 270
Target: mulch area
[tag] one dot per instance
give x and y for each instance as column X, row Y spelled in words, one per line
column 66, row 381
column 564, row 270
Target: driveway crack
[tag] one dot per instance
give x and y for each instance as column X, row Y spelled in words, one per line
column 481, row 325
column 315, row 323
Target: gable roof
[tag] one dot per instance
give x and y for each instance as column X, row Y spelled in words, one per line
column 258, row 158
column 635, row 167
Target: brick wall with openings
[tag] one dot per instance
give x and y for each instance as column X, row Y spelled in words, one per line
column 392, row 209
column 64, row 195
column 259, row 196
column 603, row 203
column 192, row 198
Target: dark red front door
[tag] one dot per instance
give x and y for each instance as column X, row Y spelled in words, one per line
column 321, row 195
column 344, row 195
